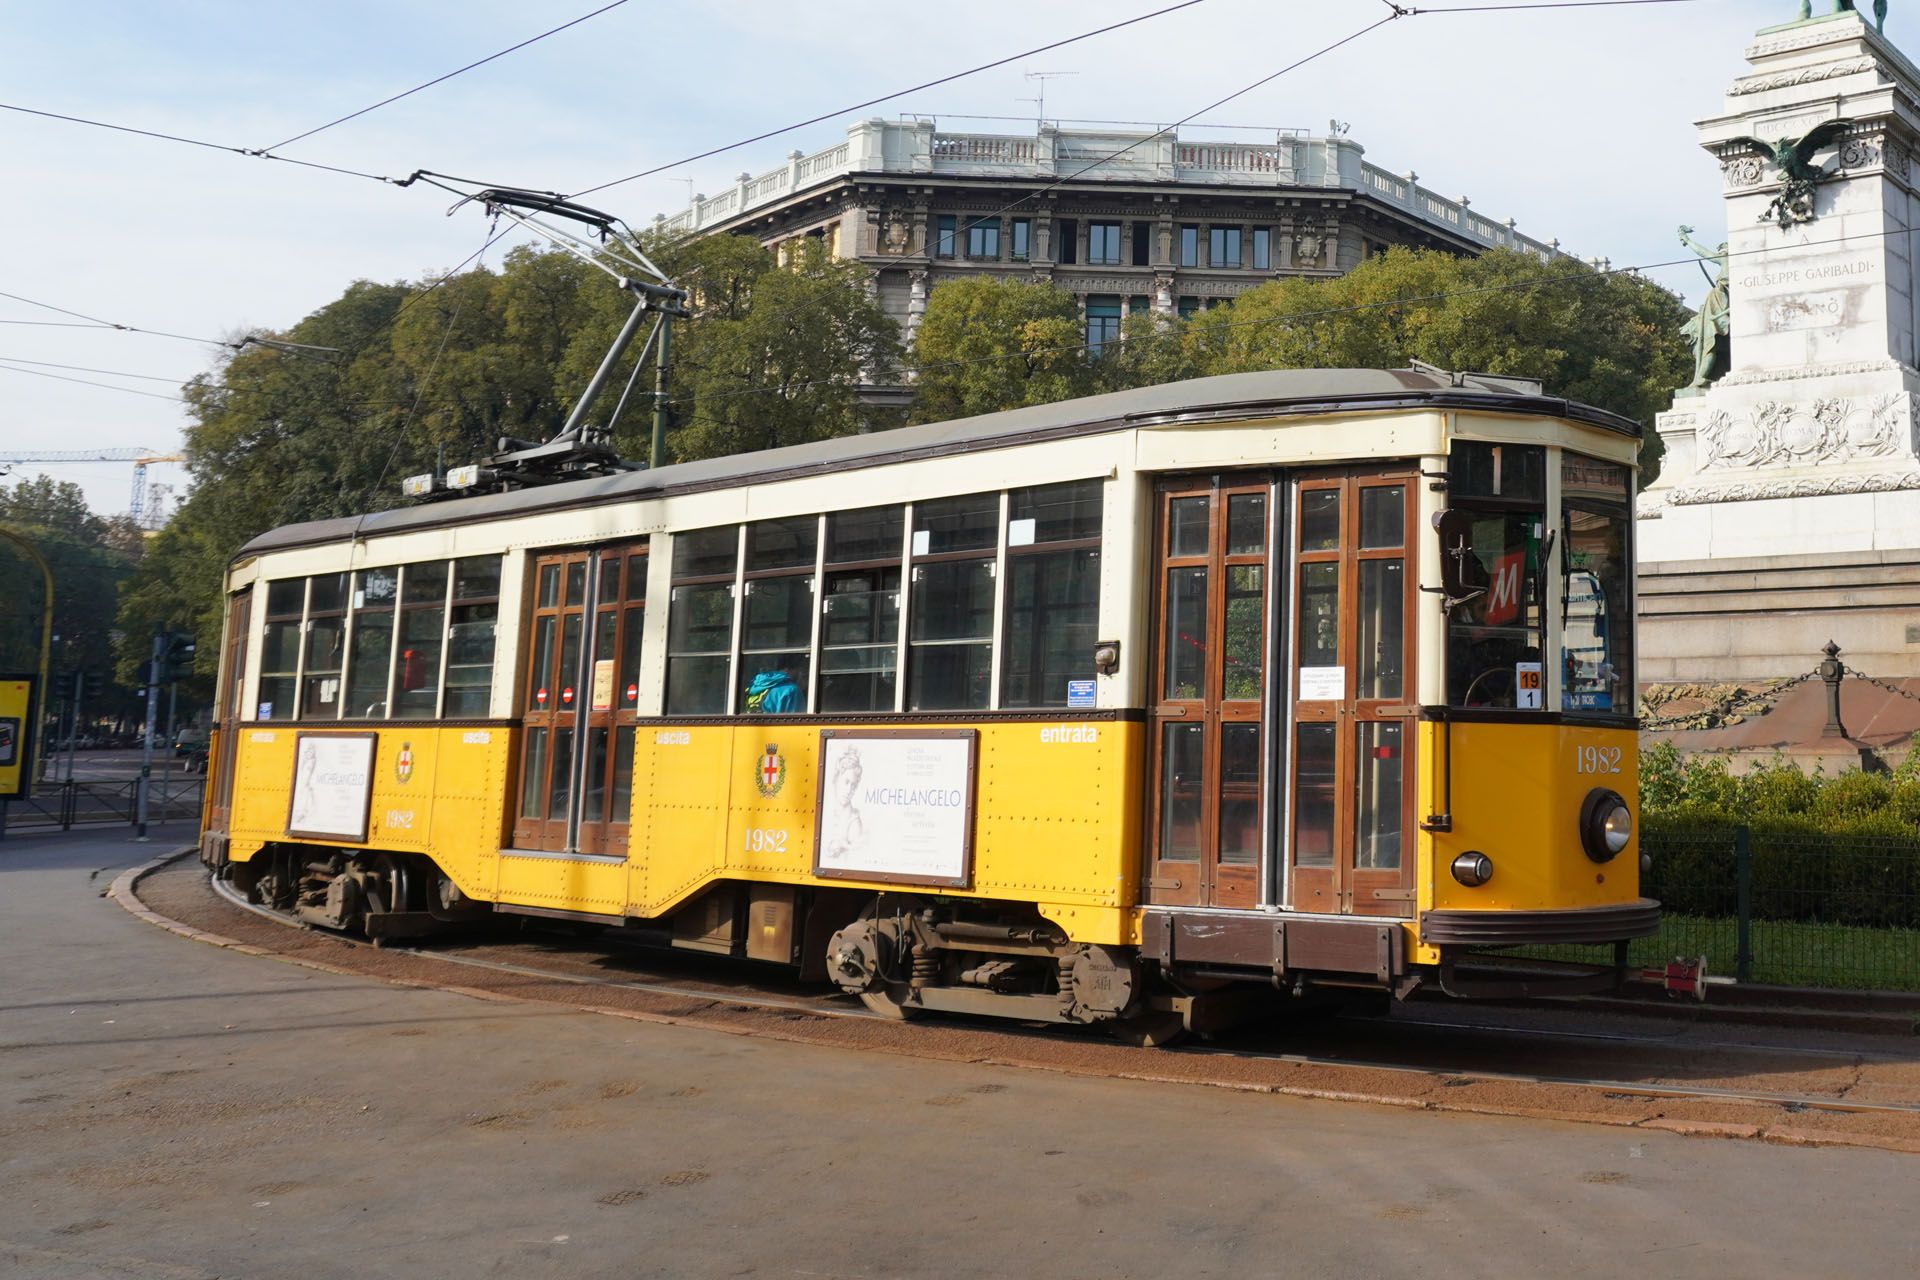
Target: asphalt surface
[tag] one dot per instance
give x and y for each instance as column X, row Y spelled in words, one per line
column 171, row 1109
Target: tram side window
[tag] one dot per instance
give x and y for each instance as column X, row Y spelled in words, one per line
column 371, row 662
column 280, row 649
column 326, row 647
column 776, row 631
column 1053, row 592
column 470, row 636
column 1495, row 639
column 700, row 621
column 950, row 663
column 860, row 610
column 1596, row 567
column 423, row 611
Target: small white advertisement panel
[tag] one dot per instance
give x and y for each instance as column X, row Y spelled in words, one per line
column 896, row 805
column 332, row 786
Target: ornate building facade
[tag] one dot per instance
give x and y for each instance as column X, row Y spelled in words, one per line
column 1127, row 221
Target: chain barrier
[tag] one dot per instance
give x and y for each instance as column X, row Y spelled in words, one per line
column 1714, row 716
column 1883, row 685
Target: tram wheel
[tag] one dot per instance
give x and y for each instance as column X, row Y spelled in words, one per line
column 1153, row 1029
column 883, row 1002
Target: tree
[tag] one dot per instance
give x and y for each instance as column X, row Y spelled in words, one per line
column 989, row 344
column 1610, row 340
column 772, row 355
column 89, row 558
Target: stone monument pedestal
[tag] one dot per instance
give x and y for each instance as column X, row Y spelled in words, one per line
column 1787, row 509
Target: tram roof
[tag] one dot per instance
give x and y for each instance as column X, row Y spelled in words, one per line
column 1283, row 392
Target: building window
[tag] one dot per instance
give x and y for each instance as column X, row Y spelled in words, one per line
column 1188, row 306
column 1068, row 250
column 1053, row 591
column 1103, row 321
column 1103, row 244
column 1022, row 239
column 983, row 238
column 700, row 621
column 860, row 610
column 943, row 236
column 950, row 659
column 776, row 629
column 1262, row 249
column 1142, row 244
column 1223, row 246
column 1139, row 305
column 1189, row 245
column 470, row 636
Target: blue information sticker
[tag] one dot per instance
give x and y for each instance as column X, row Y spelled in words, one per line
column 1079, row 693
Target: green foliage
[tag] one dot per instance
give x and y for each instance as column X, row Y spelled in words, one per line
column 89, row 558
column 986, row 345
column 432, row 374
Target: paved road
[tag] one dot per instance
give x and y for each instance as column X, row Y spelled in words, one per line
column 171, row 1110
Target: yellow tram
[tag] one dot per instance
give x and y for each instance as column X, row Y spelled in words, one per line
column 1113, row 710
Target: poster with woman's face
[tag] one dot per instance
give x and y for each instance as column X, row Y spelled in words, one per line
column 896, row 807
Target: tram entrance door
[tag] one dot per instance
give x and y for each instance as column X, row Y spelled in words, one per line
column 227, row 715
column 579, row 700
column 1208, row 673
column 1353, row 719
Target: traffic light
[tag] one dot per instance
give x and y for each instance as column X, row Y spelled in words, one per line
column 176, row 658
column 94, row 684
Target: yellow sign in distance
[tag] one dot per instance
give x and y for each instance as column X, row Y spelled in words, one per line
column 16, row 737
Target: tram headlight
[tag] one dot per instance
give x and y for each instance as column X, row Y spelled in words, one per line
column 1606, row 824
column 1473, row 869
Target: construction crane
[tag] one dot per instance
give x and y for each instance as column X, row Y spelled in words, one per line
column 140, row 458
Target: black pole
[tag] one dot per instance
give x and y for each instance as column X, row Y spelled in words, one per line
column 1831, row 670
column 1743, row 904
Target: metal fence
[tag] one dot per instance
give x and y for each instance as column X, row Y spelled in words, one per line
column 68, row 804
column 1792, row 908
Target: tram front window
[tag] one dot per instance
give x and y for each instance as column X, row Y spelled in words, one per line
column 1495, row 633
column 1596, row 630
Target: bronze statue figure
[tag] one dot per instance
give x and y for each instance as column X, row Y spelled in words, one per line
column 1708, row 327
column 1846, row 6
column 1792, row 157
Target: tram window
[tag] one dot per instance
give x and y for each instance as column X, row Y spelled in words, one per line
column 705, row 553
column 280, row 649
column 782, row 544
column 326, row 633
column 1596, row 628
column 470, row 636
column 971, row 523
column 699, row 627
column 1053, row 591
column 423, row 610
column 951, row 662
column 776, row 634
column 1508, row 472
column 860, row 610
column 372, row 656
column 1494, row 638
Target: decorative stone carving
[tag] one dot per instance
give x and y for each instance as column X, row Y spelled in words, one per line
column 1307, row 248
column 1754, row 377
column 1860, row 153
column 895, row 237
column 1807, row 433
column 1795, row 487
column 1807, row 75
column 1743, row 171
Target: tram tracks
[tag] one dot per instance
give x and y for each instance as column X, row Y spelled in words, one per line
column 1434, row 1063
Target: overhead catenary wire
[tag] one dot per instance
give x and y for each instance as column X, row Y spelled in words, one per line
column 355, row 115
column 97, row 322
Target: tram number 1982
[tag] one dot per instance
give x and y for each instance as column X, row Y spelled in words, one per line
column 765, row 840
column 1596, row 759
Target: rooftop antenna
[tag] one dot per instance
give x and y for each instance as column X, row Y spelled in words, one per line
column 1040, row 101
column 605, row 242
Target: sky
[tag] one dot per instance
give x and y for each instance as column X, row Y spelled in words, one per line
column 1575, row 122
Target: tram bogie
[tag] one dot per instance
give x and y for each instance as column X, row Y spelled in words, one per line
column 1161, row 708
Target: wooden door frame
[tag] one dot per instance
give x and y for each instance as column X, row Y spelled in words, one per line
column 530, row 832
column 220, row 794
column 1213, row 883
column 1341, row 887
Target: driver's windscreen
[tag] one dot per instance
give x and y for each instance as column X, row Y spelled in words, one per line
column 1493, row 640
column 1494, row 636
